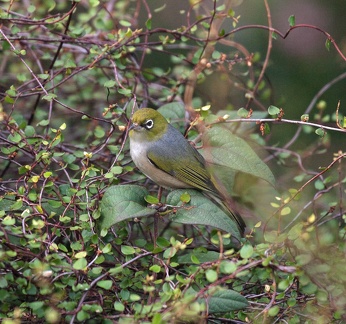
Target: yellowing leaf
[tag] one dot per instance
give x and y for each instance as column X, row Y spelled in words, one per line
column 80, row 255
column 285, row 211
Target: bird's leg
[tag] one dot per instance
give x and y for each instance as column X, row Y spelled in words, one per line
column 159, row 194
column 156, row 218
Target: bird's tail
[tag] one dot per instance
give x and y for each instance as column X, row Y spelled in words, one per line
column 229, row 205
column 221, row 196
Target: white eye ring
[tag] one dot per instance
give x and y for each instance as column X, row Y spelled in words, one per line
column 149, row 124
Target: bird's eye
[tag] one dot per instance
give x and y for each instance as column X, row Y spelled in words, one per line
column 149, row 124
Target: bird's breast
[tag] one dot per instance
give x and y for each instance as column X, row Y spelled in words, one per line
column 138, row 151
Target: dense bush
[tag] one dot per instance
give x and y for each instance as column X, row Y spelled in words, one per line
column 83, row 236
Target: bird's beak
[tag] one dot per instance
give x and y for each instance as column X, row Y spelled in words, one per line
column 133, row 126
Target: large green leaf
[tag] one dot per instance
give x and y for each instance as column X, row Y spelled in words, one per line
column 226, row 300
column 201, row 211
column 175, row 113
column 123, row 202
column 224, row 176
column 130, row 107
column 221, row 147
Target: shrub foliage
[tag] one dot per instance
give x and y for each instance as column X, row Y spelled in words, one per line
column 83, row 236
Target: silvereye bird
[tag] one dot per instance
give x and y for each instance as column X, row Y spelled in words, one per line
column 163, row 154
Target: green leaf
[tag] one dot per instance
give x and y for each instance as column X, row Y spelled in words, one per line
column 222, row 32
column 174, row 112
column 148, row 23
column 242, row 112
column 211, row 275
column 125, row 92
column 283, row 284
column 203, row 212
column 292, row 20
column 3, row 282
column 131, row 105
column 107, row 248
column 157, row 319
column 155, row 268
column 125, row 23
column 127, row 250
column 225, row 175
column 320, row 132
column 295, row 231
column 8, row 221
column 36, row 305
column 80, row 264
column 162, row 242
column 170, row 253
column 266, row 129
column 80, row 255
column 29, row 131
column 15, row 137
column 273, row 311
column 82, row 316
column 43, row 76
column 319, row 185
column 123, row 202
column 160, row 8
column 327, row 44
column 105, row 284
column 43, row 122
column 228, row 267
column 49, row 97
column 69, row 64
column 62, row 247
column 272, row 110
column 151, row 199
column 17, row 205
column 225, row 301
column 304, row 118
column 208, row 256
column 117, row 169
column 185, row 197
column 275, row 237
column 321, row 105
column 120, row 307
column 246, row 251
column 9, row 100
column 194, row 259
column 285, row 211
column 114, row 271
column 291, row 302
column 109, row 84
column 94, row 3
column 12, row 91
column 222, row 148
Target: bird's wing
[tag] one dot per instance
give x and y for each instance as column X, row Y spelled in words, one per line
column 190, row 171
